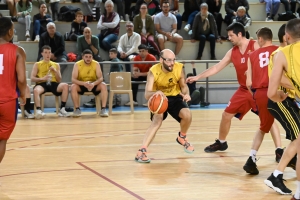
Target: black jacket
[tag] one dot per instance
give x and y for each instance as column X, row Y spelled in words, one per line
column 198, row 26
column 43, row 21
column 232, row 5
column 59, row 42
column 189, row 7
column 212, row 7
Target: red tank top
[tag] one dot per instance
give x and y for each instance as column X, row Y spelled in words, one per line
column 8, row 74
column 239, row 61
column 260, row 60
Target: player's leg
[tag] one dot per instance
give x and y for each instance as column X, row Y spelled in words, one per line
column 75, row 91
column 62, row 90
column 37, row 91
column 27, row 110
column 275, row 133
column 2, row 149
column 297, row 193
column 103, row 89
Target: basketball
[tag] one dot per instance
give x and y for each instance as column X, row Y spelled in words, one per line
column 157, row 104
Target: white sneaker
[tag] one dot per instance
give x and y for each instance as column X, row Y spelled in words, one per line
column 63, row 113
column 296, row 14
column 190, row 32
column 134, row 103
column 27, row 34
column 127, row 17
column 121, row 19
column 37, row 38
column 77, row 113
column 39, row 114
column 103, row 113
column 187, row 27
column 145, row 104
column 28, row 39
column 28, row 115
column 19, row 110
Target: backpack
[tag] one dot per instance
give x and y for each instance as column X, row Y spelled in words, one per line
column 67, row 13
column 286, row 16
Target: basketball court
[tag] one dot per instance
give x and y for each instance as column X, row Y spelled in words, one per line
column 93, row 158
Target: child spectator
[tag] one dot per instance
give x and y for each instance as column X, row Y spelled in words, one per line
column 77, row 26
column 115, row 67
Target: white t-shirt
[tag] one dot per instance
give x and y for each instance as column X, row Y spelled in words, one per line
column 144, row 31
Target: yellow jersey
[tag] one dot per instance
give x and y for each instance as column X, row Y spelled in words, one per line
column 87, row 72
column 43, row 70
column 291, row 93
column 293, row 60
column 167, row 82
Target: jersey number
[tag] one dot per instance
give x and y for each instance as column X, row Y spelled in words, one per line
column 1, row 64
column 264, row 59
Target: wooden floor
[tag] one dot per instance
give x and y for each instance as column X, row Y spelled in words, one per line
column 93, row 158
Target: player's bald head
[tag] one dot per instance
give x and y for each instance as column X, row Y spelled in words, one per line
column 167, row 53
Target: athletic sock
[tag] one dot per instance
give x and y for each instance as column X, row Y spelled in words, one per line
column 63, row 104
column 222, row 141
column 297, row 193
column 27, row 105
column 253, row 154
column 38, row 108
column 277, row 172
column 182, row 134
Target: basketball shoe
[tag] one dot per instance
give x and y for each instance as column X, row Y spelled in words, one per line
column 183, row 141
column 141, row 156
column 278, row 153
column 217, row 146
column 293, row 198
column 276, row 183
column 250, row 167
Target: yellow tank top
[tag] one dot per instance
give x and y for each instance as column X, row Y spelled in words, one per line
column 168, row 82
column 291, row 93
column 43, row 69
column 87, row 72
column 293, row 60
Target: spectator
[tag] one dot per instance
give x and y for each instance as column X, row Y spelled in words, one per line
column 214, row 7
column 120, row 8
column 205, row 28
column 197, row 96
column 77, row 26
column 11, row 7
column 47, row 76
column 144, row 25
column 56, row 42
column 109, row 25
column 88, row 41
column 166, row 27
column 24, row 8
column 140, row 71
column 272, row 7
column 87, row 10
column 152, row 5
column 191, row 8
column 128, row 45
column 290, row 5
column 40, row 22
column 115, row 67
column 243, row 19
column 174, row 9
column 54, row 4
column 231, row 7
column 87, row 76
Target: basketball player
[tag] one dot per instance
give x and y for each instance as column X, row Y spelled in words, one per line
column 87, row 76
column 242, row 101
column 257, row 82
column 167, row 79
column 287, row 65
column 12, row 81
column 47, row 76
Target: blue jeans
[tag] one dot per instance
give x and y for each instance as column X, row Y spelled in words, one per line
column 179, row 20
column 105, row 42
column 192, row 17
column 38, row 29
column 212, row 39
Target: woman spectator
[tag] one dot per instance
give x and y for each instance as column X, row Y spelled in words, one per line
column 191, row 8
column 109, row 25
column 40, row 22
column 144, row 25
column 174, row 9
column 24, row 8
column 152, row 5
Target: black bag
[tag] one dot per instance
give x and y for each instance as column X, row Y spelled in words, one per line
column 67, row 13
column 286, row 16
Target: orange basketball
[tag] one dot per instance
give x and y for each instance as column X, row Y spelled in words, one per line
column 158, row 104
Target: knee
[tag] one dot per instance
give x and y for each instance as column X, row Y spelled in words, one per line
column 36, row 22
column 212, row 37
column 143, row 40
column 65, row 87
column 202, row 38
column 227, row 116
column 185, row 114
column 73, row 88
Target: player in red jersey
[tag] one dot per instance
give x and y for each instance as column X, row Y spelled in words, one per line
column 241, row 102
column 257, row 83
column 12, row 81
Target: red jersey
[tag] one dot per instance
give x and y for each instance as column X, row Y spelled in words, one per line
column 8, row 74
column 259, row 61
column 240, row 60
column 144, row 67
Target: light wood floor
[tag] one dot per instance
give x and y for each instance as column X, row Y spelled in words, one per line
column 93, row 158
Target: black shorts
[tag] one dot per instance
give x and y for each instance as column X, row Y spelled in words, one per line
column 287, row 113
column 84, row 89
column 175, row 104
column 50, row 88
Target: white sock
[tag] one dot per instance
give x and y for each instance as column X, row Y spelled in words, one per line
column 253, row 154
column 277, row 172
column 297, row 193
column 222, row 141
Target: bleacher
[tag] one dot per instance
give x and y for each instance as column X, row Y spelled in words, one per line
column 188, row 52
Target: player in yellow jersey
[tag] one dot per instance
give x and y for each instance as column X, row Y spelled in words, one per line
column 167, row 79
column 46, row 74
column 287, row 65
column 87, row 76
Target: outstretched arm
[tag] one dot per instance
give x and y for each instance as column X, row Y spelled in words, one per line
column 249, row 76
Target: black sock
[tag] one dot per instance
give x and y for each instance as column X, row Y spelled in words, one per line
column 102, row 107
column 63, row 104
column 27, row 105
column 38, row 108
column 77, row 108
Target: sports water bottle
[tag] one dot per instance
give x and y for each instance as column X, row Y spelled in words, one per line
column 49, row 79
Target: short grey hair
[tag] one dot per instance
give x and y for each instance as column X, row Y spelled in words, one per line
column 109, row 2
column 51, row 24
column 204, row 5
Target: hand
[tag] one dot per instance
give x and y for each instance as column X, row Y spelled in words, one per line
column 88, row 40
column 123, row 55
column 185, row 97
column 193, row 41
column 19, row 13
column 48, row 76
column 169, row 35
column 86, row 85
column 91, row 86
column 249, row 85
column 191, row 79
column 52, row 56
column 136, row 74
column 158, row 93
column 22, row 100
column 234, row 13
column 52, row 69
